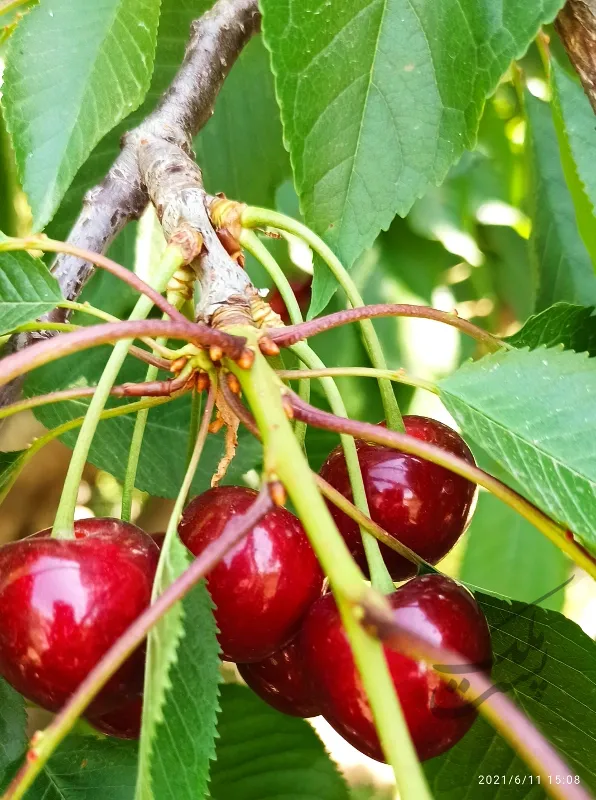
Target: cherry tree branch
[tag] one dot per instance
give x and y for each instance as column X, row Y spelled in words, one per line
column 576, row 25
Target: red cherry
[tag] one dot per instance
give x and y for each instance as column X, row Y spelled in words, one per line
column 302, row 289
column 265, row 584
column 424, row 506
column 444, row 612
column 280, row 681
column 63, row 603
column 123, row 722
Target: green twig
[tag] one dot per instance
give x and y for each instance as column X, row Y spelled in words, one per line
column 253, row 217
column 284, row 457
column 397, row 375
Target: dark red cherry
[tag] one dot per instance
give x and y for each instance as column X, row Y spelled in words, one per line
column 123, row 722
column 281, row 681
column 63, row 603
column 265, row 585
column 441, row 610
column 302, row 289
column 424, row 506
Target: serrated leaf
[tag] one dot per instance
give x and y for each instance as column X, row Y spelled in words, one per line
column 11, row 464
column 574, row 123
column 534, row 413
column 547, row 665
column 161, row 467
column 27, row 289
column 248, row 161
column 87, row 768
column 13, row 721
column 572, row 326
column 181, row 691
column 563, row 266
column 505, row 554
column 262, row 753
column 380, row 97
column 73, row 71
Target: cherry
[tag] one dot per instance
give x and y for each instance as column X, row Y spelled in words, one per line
column 64, row 602
column 444, row 612
column 123, row 722
column 424, row 506
column 280, row 681
column 302, row 289
column 265, row 584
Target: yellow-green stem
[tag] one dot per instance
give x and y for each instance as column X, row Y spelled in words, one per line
column 380, row 577
column 63, row 524
column 251, row 242
column 397, row 375
column 253, row 217
column 285, row 458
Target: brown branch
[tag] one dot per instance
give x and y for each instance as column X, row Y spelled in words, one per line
column 576, row 25
column 523, row 736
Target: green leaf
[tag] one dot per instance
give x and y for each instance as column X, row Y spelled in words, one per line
column 380, row 97
column 181, row 691
column 574, row 124
column 564, row 268
column 161, row 467
column 86, row 768
column 27, row 289
column 547, row 665
column 264, row 754
column 572, row 326
column 73, row 71
column 533, row 412
column 247, row 161
column 11, row 464
column 505, row 554
column 13, row 737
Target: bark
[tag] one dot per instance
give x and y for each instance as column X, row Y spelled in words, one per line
column 576, row 25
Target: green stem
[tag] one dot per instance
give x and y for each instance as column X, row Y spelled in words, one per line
column 62, row 327
column 253, row 217
column 63, row 524
column 251, row 242
column 380, row 577
column 398, row 375
column 195, row 419
column 285, row 458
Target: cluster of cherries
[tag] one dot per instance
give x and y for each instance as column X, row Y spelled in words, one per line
column 63, row 603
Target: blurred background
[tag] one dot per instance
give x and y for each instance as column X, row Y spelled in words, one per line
column 474, row 245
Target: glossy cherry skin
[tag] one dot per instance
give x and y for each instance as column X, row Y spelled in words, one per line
column 281, row 681
column 63, row 603
column 424, row 506
column 436, row 716
column 122, row 722
column 265, row 584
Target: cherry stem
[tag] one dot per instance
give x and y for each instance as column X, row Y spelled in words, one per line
column 72, row 424
column 380, row 577
column 150, row 389
column 45, row 742
column 476, row 687
column 398, row 375
column 99, row 260
column 253, row 217
column 87, row 308
column 171, row 260
column 294, row 333
column 284, row 457
column 409, row 444
column 48, row 350
column 251, row 242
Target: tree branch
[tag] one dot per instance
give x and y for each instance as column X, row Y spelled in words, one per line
column 576, row 25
